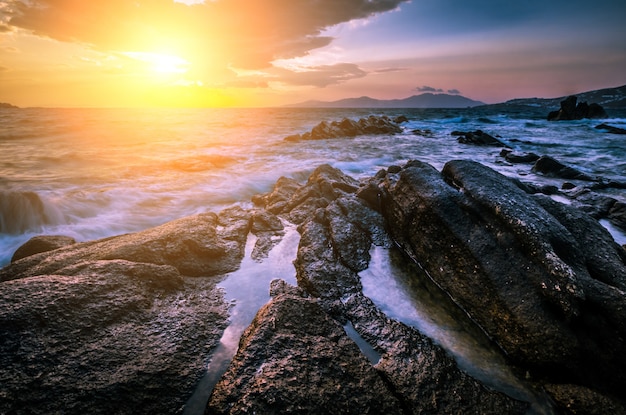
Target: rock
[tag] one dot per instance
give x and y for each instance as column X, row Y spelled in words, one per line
column 269, row 230
column 106, row 336
column 544, row 280
column 43, row 243
column 610, row 129
column 276, row 200
column 479, row 138
column 373, row 125
column 553, row 168
column 200, row 245
column 617, row 214
column 574, row 399
column 570, row 111
column 513, row 157
column 294, row 358
column 420, row 374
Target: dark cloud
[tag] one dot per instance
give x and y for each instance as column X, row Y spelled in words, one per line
column 454, row 92
column 426, row 88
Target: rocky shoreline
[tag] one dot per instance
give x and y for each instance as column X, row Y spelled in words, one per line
column 127, row 324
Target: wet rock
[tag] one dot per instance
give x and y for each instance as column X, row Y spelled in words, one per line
column 578, row 400
column 373, row 125
column 571, row 111
column 513, row 157
column 477, row 137
column 107, row 336
column 43, row 243
column 610, row 129
column 269, row 230
column 544, row 280
column 294, row 358
column 553, row 168
column 276, row 200
column 200, row 245
column 617, row 214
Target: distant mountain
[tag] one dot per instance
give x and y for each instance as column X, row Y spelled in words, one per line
column 426, row 100
column 6, row 105
column 607, row 97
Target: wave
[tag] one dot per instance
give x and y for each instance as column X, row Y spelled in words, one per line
column 22, row 212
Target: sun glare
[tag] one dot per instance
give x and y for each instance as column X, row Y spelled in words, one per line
column 160, row 62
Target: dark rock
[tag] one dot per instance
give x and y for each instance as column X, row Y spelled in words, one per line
column 201, row 245
column 373, row 125
column 423, row 133
column 420, row 374
column 479, row 138
column 611, row 129
column 294, row 358
column 513, row 157
column 544, row 280
column 43, row 243
column 578, row 400
column 104, row 337
column 553, row 168
column 570, row 111
column 269, row 230
column 617, row 214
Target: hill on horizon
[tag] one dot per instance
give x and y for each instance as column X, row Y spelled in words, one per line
column 426, row 100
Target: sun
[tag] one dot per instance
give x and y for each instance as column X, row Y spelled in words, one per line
column 161, row 62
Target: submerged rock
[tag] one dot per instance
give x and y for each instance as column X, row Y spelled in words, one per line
column 477, row 137
column 554, row 168
column 610, row 129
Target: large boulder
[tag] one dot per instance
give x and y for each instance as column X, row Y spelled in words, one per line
column 118, row 325
column 294, row 358
column 571, row 111
column 544, row 280
column 104, row 337
column 201, row 245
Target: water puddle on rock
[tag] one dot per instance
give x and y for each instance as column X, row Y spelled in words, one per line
column 248, row 289
column 403, row 292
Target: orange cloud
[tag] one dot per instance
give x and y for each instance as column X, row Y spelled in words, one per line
column 212, row 36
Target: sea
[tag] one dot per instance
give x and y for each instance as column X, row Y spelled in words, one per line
column 93, row 173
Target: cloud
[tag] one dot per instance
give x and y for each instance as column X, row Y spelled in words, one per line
column 213, row 35
column 454, row 91
column 385, row 70
column 319, row 76
column 426, row 88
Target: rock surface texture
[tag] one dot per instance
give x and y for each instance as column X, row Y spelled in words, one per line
column 543, row 279
column 127, row 324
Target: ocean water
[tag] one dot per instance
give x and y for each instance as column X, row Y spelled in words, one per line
column 93, row 173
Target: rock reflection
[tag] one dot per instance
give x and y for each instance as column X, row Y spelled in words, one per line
column 403, row 292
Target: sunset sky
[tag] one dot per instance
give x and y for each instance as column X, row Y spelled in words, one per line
column 128, row 53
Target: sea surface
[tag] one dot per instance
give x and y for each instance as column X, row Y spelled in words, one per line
column 94, row 173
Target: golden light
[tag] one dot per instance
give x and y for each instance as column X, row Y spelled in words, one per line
column 161, row 62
